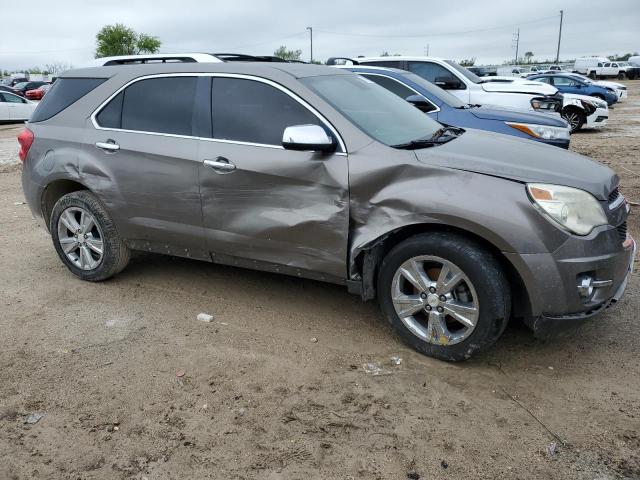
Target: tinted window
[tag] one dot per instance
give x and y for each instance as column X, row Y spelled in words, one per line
column 255, row 112
column 391, row 85
column 162, row 105
column 385, row 63
column 111, row 115
column 63, row 93
column 375, row 110
column 430, row 71
column 7, row 97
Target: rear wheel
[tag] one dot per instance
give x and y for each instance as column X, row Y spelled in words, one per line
column 85, row 237
column 622, row 75
column 446, row 296
column 575, row 117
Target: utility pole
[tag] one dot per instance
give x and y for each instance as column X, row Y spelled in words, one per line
column 426, row 50
column 559, row 38
column 311, row 41
column 516, row 40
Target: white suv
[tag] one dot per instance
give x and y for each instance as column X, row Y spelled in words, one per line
column 509, row 92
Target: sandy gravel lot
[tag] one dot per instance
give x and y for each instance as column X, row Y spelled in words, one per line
column 132, row 386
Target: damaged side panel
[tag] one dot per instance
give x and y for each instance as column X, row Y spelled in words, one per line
column 150, row 186
column 277, row 207
column 391, row 190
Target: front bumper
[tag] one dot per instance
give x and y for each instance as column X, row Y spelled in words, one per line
column 597, row 119
column 551, row 280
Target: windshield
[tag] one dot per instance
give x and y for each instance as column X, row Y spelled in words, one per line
column 20, row 85
column 376, row 111
column 470, row 75
column 435, row 90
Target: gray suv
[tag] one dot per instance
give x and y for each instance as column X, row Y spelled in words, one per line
column 319, row 173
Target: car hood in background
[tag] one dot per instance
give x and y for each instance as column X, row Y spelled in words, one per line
column 517, row 85
column 488, row 112
column 521, row 160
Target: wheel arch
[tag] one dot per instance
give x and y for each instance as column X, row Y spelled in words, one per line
column 54, row 191
column 369, row 258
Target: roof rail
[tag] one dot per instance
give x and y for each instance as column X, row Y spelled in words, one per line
column 337, row 61
column 142, row 59
column 241, row 57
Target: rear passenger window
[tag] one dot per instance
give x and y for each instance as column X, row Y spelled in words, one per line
column 111, row 115
column 63, row 93
column 159, row 105
column 255, row 112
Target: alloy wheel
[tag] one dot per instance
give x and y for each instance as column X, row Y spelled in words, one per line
column 80, row 238
column 435, row 300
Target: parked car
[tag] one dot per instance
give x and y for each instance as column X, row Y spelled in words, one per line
column 567, row 83
column 619, row 88
column 584, row 112
column 450, row 110
column 510, row 71
column 22, row 87
column 11, row 81
column 38, row 93
column 318, row 172
column 467, row 86
column 14, row 108
column 627, row 70
column 596, row 67
column 483, row 71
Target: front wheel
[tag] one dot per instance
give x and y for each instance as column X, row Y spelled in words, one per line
column 86, row 238
column 445, row 295
column 575, row 118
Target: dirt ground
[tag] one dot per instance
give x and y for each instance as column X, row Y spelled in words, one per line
column 132, row 386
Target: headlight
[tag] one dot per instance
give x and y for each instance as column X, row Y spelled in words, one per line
column 544, row 104
column 572, row 209
column 542, row 131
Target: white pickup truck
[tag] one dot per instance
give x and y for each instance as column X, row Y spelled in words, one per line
column 510, row 92
column 597, row 67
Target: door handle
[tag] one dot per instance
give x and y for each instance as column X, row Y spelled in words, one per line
column 220, row 165
column 108, row 146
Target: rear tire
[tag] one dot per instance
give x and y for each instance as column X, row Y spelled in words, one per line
column 458, row 301
column 622, row 76
column 575, row 117
column 86, row 238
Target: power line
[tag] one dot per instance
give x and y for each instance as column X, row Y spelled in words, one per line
column 442, row 34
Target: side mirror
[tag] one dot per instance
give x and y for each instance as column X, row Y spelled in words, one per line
column 420, row 103
column 448, row 83
column 307, row 138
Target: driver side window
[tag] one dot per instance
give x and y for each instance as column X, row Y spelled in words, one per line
column 255, row 112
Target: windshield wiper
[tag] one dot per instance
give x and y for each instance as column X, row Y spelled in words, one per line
column 442, row 135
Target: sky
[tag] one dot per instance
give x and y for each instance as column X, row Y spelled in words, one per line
column 64, row 31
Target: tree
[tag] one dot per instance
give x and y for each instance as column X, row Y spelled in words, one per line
column 387, row 54
column 468, row 62
column 119, row 39
column 528, row 57
column 57, row 68
column 285, row 54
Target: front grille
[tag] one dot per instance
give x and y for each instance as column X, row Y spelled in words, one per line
column 615, row 193
column 622, row 231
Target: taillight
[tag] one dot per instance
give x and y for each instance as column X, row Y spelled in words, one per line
column 25, row 139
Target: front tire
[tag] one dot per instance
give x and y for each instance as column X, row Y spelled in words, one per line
column 446, row 296
column 86, row 238
column 575, row 118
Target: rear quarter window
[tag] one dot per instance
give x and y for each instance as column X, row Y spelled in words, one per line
column 64, row 93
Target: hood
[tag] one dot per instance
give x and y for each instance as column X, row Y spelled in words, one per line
column 517, row 85
column 606, row 84
column 521, row 160
column 515, row 115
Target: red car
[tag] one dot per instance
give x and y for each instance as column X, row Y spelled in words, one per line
column 38, row 93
